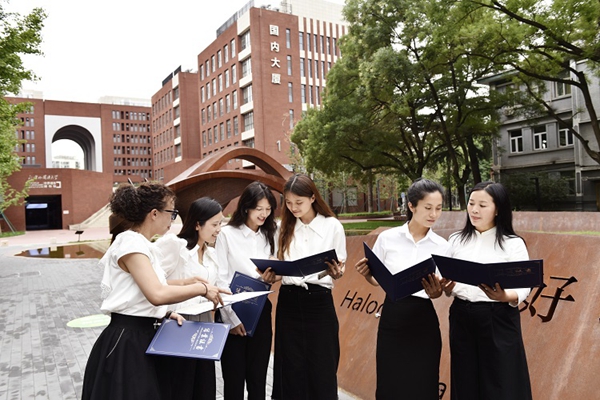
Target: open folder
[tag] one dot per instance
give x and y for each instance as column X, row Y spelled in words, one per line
column 192, row 340
column 302, row 267
column 250, row 310
column 510, row 275
column 400, row 284
column 228, row 299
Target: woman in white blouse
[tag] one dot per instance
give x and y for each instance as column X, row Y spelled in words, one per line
column 135, row 293
column 307, row 346
column 185, row 256
column 486, row 346
column 250, row 233
column 409, row 342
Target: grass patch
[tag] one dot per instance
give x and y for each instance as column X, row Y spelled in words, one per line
column 9, row 234
column 376, row 214
column 368, row 226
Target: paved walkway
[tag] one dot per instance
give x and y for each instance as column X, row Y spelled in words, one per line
column 40, row 357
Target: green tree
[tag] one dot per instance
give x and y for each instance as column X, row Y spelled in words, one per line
column 542, row 42
column 19, row 35
column 405, row 95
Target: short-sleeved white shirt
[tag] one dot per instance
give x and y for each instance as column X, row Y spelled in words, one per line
column 321, row 234
column 120, row 292
column 397, row 249
column 179, row 262
column 482, row 248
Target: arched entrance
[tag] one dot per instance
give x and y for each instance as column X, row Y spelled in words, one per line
column 84, row 139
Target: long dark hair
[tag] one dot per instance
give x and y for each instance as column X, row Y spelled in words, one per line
column 134, row 204
column 418, row 190
column 252, row 194
column 199, row 212
column 503, row 219
column 300, row 185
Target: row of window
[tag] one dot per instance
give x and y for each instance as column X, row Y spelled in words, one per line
column 25, row 135
column 218, row 132
column 131, row 150
column 224, row 105
column 120, row 126
column 163, row 102
column 216, row 60
column 319, row 43
column 144, row 173
column 119, row 138
column 132, row 162
column 163, row 120
column 223, row 81
column 539, row 138
column 29, row 160
column 141, row 116
column 25, row 148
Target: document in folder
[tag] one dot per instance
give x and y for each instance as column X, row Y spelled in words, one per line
column 249, row 311
column 510, row 275
column 191, row 340
column 400, row 284
column 228, row 300
column 302, row 267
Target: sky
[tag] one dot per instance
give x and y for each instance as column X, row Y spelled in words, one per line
column 122, row 48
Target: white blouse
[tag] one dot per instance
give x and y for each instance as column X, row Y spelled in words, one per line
column 397, row 249
column 235, row 247
column 482, row 248
column 180, row 263
column 321, row 234
column 120, row 292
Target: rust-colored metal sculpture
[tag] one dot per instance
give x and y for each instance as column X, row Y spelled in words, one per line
column 207, row 178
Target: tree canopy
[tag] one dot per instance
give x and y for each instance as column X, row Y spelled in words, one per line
column 404, row 97
column 19, row 35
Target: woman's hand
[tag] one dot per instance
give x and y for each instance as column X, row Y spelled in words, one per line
column 496, row 293
column 238, row 330
column 363, row 268
column 269, row 275
column 447, row 286
column 177, row 318
column 432, row 286
column 335, row 268
column 213, row 293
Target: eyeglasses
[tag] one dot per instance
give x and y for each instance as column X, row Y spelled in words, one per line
column 174, row 214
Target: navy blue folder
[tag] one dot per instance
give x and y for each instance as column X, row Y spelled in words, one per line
column 510, row 275
column 249, row 311
column 302, row 267
column 191, row 340
column 403, row 283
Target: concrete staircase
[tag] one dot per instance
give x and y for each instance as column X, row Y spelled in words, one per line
column 97, row 220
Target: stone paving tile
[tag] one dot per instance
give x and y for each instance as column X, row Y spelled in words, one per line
column 40, row 357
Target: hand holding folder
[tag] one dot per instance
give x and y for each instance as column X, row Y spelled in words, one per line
column 400, row 284
column 299, row 268
column 510, row 275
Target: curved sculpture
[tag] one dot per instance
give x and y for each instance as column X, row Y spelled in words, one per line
column 206, row 178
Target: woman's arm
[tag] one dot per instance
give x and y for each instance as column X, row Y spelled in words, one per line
column 140, row 268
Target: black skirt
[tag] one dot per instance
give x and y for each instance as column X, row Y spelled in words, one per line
column 487, row 355
column 307, row 347
column 118, row 367
column 409, row 345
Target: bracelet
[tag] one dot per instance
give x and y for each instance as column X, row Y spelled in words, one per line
column 168, row 314
column 205, row 288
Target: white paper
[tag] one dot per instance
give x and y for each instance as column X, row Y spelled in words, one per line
column 228, row 299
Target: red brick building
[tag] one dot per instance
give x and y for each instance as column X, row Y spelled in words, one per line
column 116, row 142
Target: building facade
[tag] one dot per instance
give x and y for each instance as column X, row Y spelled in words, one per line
column 116, row 143
column 540, row 145
column 264, row 69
